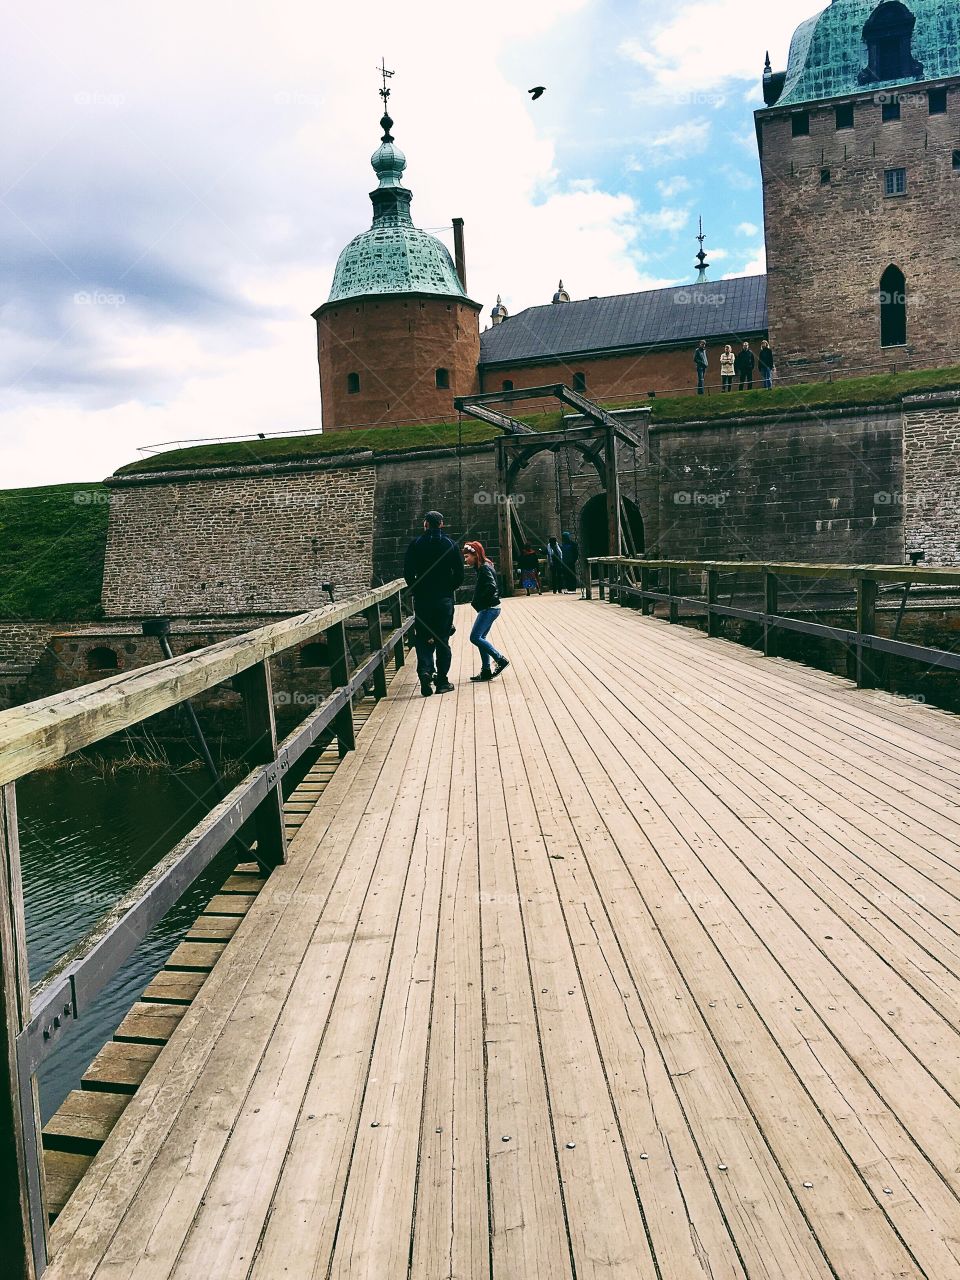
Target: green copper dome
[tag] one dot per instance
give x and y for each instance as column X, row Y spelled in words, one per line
column 394, row 256
column 855, row 44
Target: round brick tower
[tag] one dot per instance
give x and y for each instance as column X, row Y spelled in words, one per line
column 398, row 338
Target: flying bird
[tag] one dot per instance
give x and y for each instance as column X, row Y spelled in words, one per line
column 536, row 93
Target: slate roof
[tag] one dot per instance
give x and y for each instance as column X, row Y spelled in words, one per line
column 686, row 313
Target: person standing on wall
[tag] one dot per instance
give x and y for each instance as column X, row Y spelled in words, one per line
column 555, row 565
column 727, row 368
column 766, row 364
column 745, row 364
column 433, row 569
column 570, row 554
column 486, row 601
column 702, row 362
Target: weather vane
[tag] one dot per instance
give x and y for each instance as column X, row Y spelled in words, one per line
column 386, row 75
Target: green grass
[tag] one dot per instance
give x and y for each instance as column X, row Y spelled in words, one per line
column 52, row 543
column 880, row 388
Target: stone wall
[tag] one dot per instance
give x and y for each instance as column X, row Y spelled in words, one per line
column 239, row 540
column 930, row 497
column 831, row 231
column 23, row 640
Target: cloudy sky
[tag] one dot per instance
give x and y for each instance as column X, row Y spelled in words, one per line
column 178, row 179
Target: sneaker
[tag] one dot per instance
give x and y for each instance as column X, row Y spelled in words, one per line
column 426, row 686
column 444, row 685
column 501, row 666
column 484, row 675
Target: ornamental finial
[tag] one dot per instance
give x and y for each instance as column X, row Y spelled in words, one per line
column 386, row 124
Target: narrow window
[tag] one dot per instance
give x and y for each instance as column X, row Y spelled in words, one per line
column 800, row 124
column 893, row 308
column 443, row 379
column 353, row 383
column 937, row 100
column 507, row 385
column 101, row 659
column 890, row 111
column 956, row 162
column 824, row 177
column 579, row 382
column 895, row 182
column 845, row 116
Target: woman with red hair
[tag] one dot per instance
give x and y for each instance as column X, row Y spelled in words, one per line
column 486, row 601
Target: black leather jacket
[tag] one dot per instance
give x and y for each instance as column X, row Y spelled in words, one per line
column 433, row 567
column 486, row 594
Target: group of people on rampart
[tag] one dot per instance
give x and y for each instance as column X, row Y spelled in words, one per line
column 742, row 364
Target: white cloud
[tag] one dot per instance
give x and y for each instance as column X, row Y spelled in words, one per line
column 755, row 266
column 690, row 138
column 671, row 187
column 747, row 229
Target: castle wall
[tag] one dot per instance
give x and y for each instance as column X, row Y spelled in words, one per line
column 930, row 497
column 610, row 377
column 238, row 540
column 829, row 240
column 394, row 346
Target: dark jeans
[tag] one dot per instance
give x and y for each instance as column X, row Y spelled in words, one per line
column 478, row 636
column 701, row 376
column 431, row 634
column 767, row 375
column 746, row 378
column 727, row 383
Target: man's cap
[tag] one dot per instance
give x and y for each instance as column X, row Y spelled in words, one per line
column 434, row 519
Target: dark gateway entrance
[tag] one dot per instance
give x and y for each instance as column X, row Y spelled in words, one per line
column 594, row 534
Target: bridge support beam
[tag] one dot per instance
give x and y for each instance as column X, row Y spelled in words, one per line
column 505, row 522
column 339, row 676
column 22, row 1213
column 260, row 724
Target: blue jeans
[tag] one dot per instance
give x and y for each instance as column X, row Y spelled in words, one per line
column 701, row 376
column 478, row 636
column 767, row 377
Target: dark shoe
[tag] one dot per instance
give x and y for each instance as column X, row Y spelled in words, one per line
column 426, row 686
column 500, row 666
column 444, row 685
column 484, row 675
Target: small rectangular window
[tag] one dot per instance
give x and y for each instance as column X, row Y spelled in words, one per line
column 895, row 182
column 443, row 379
column 824, row 177
column 800, row 124
column 956, row 162
column 890, row 111
column 845, row 116
column 938, row 102
column 579, row 382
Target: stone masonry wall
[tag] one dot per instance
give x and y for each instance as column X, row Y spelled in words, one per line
column 930, row 498
column 831, row 231
column 238, row 540
column 22, row 641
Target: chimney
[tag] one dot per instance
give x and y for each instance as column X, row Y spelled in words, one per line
column 458, row 252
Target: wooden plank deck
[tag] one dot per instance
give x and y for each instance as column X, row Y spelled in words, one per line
column 642, row 961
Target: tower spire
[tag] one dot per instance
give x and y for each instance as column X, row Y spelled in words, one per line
column 702, row 263
column 386, row 124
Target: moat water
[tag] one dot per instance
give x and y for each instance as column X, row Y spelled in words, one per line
column 85, row 840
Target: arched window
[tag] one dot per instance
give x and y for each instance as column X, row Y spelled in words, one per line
column 507, row 385
column 314, row 655
column 888, row 35
column 893, row 308
column 443, row 379
column 102, row 659
column 579, row 382
column 353, row 383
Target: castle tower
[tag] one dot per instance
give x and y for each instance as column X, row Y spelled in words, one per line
column 860, row 155
column 398, row 338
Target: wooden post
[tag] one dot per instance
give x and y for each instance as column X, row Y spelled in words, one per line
column 589, row 580
column 602, row 580
column 260, row 726
column 375, row 627
column 339, row 675
column 673, row 590
column 614, row 526
column 866, row 626
column 504, row 522
column 713, row 597
column 771, row 606
column 22, row 1214
column 646, row 606
column 396, row 620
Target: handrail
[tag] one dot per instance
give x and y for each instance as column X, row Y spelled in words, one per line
column 613, row 574
column 33, row 1023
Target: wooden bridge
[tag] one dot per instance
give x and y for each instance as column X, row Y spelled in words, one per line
column 640, row 961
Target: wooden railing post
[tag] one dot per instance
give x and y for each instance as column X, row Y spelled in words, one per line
column 22, row 1214
column 771, row 606
column 396, row 621
column 713, row 598
column 602, row 580
column 339, row 676
column 260, row 725
column 673, row 590
column 375, row 627
column 623, row 598
column 589, row 580
column 866, row 626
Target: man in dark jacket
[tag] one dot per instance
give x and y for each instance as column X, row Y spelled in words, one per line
column 702, row 362
column 433, row 568
column 766, row 364
column 570, row 553
column 745, row 364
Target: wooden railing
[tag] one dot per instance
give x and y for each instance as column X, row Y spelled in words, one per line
column 630, row 582
column 33, row 1022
